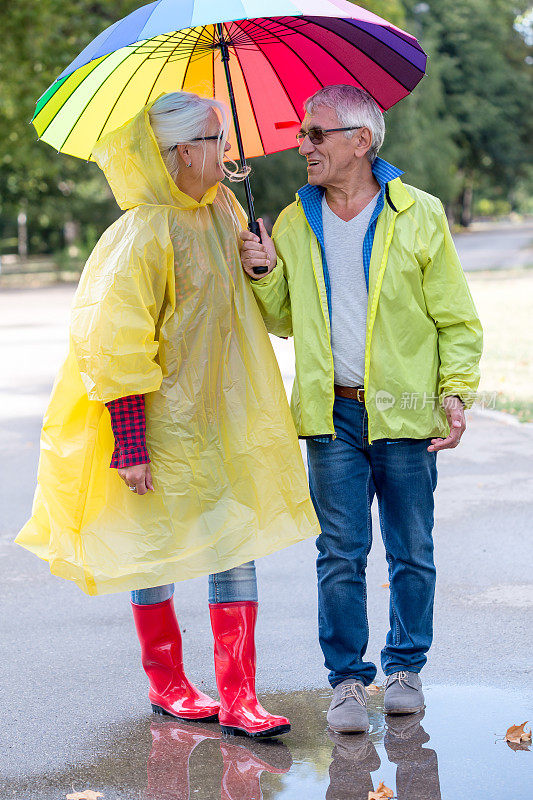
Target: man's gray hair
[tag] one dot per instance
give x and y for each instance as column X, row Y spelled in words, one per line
column 355, row 107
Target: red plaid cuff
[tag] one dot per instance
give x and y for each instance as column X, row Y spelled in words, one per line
column 129, row 429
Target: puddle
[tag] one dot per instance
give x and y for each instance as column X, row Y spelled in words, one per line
column 455, row 749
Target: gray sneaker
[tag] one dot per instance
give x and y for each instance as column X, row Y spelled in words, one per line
column 347, row 712
column 403, row 693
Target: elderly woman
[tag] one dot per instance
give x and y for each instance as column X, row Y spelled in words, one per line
column 172, row 380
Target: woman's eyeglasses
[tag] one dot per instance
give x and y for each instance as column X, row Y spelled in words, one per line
column 316, row 135
column 197, row 139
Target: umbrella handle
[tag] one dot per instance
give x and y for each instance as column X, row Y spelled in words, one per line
column 253, row 227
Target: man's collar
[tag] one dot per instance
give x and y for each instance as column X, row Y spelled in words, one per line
column 383, row 172
column 388, row 177
column 309, row 193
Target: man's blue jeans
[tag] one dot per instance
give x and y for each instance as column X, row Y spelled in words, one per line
column 344, row 476
column 235, row 585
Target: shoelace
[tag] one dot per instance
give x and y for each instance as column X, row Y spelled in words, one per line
column 353, row 690
column 401, row 676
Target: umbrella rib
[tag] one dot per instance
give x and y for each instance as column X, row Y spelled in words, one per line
column 298, row 56
column 100, row 86
column 251, row 101
column 191, row 56
column 333, row 57
column 101, row 60
column 167, row 59
column 276, row 73
column 213, row 64
column 170, row 56
column 375, row 38
column 127, row 83
column 367, row 55
column 412, row 41
column 339, row 62
column 70, row 95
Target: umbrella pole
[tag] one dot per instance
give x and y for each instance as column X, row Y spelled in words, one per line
column 224, row 52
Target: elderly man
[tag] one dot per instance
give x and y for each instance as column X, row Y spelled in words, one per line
column 363, row 272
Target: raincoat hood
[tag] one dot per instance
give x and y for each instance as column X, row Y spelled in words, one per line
column 132, row 163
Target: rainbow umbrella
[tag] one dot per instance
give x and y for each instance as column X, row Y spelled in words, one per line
column 261, row 57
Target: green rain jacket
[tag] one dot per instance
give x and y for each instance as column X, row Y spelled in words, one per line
column 423, row 335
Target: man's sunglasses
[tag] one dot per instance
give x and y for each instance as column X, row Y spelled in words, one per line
column 316, row 135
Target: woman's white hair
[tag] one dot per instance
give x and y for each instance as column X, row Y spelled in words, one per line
column 181, row 117
column 354, row 107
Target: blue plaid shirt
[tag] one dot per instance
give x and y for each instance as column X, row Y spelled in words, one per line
column 311, row 198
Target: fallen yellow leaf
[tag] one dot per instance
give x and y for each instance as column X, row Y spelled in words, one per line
column 385, row 585
column 518, row 733
column 382, row 793
column 373, row 688
column 88, row 794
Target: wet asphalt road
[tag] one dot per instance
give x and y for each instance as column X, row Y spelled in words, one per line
column 75, row 713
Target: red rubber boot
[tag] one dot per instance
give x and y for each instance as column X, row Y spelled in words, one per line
column 162, row 658
column 240, row 712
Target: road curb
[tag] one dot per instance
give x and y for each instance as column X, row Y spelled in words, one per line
column 504, row 417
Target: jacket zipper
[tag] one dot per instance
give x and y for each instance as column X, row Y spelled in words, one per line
column 327, row 323
column 373, row 310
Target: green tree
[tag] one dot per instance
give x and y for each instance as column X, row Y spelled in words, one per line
column 482, row 60
column 39, row 40
column 391, row 10
column 420, row 136
column 467, row 124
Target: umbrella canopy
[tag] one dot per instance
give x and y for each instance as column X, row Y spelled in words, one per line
column 280, row 52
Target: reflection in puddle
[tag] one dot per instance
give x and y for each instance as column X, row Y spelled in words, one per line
column 243, row 765
column 173, row 744
column 352, row 760
column 417, row 771
column 239, row 775
column 351, row 763
column 164, row 759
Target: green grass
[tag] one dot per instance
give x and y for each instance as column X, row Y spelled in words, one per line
column 521, row 409
column 504, row 300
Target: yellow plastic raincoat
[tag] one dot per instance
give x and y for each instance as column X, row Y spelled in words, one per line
column 164, row 309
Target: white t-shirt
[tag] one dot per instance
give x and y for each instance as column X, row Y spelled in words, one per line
column 349, row 296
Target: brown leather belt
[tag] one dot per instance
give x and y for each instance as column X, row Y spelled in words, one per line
column 353, row 392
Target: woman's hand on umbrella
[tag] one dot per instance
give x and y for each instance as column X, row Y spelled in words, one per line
column 257, row 253
column 138, row 478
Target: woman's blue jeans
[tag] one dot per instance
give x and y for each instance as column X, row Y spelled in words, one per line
column 344, row 476
column 232, row 586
